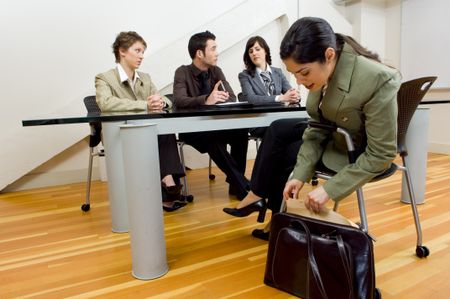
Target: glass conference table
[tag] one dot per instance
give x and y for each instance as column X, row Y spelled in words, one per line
column 132, row 165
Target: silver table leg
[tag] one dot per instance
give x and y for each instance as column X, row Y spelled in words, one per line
column 116, row 179
column 143, row 190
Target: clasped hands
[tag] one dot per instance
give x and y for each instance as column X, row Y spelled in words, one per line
column 291, row 96
column 315, row 200
column 155, row 102
column 216, row 95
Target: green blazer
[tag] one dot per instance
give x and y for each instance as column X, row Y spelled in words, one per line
column 113, row 95
column 362, row 98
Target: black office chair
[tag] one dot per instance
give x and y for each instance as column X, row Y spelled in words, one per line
column 94, row 139
column 408, row 98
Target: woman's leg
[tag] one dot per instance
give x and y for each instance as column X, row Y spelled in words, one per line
column 276, row 158
column 169, row 159
column 171, row 171
column 278, row 149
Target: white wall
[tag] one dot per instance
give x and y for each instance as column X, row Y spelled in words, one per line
column 55, row 48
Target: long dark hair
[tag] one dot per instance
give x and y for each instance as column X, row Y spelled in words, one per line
column 249, row 65
column 309, row 37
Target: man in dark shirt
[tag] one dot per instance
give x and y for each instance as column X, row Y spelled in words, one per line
column 202, row 83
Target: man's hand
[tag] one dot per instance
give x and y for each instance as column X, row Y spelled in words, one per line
column 155, row 103
column 217, row 96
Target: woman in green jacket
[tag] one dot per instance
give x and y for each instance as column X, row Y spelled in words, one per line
column 348, row 87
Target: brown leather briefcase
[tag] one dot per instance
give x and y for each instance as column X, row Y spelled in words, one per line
column 311, row 258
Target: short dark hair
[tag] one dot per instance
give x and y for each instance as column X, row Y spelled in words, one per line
column 198, row 42
column 125, row 40
column 308, row 38
column 249, row 65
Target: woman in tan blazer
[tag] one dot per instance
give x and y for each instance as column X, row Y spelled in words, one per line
column 126, row 89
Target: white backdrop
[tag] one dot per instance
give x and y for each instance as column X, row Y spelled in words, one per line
column 426, row 40
column 52, row 50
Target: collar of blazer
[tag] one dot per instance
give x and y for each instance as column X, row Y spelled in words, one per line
column 140, row 83
column 338, row 87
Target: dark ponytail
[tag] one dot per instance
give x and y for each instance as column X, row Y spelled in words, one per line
column 357, row 47
column 309, row 37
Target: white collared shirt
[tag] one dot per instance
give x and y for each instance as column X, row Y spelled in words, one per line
column 124, row 77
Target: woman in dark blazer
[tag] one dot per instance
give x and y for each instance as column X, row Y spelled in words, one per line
column 255, row 87
column 261, row 82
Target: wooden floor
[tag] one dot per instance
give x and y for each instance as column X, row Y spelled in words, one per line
column 50, row 249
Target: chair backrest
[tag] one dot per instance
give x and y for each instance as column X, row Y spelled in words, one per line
column 408, row 98
column 96, row 127
column 91, row 104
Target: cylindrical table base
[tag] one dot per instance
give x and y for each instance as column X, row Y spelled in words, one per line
column 143, row 189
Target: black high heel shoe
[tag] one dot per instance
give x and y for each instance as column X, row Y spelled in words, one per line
column 171, row 193
column 261, row 234
column 257, row 206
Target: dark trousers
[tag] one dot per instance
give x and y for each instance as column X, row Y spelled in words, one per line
column 276, row 159
column 169, row 160
column 232, row 163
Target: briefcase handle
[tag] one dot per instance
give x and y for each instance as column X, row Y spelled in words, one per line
column 312, row 260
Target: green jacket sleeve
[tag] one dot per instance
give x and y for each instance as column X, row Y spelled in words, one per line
column 310, row 153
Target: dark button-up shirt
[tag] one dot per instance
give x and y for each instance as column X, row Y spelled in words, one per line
column 187, row 84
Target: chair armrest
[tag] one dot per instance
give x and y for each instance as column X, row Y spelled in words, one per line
column 348, row 138
column 318, row 125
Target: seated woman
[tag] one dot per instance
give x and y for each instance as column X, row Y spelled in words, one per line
column 125, row 89
column 261, row 82
column 349, row 87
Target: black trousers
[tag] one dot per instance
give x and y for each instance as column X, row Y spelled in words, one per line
column 232, row 163
column 169, row 160
column 276, row 159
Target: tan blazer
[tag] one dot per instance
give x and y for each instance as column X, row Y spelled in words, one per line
column 113, row 95
column 362, row 98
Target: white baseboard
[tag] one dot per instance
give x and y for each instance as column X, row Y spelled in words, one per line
column 439, row 148
column 39, row 180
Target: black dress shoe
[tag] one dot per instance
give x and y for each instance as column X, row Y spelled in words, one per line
column 261, row 234
column 171, row 193
column 175, row 206
column 257, row 206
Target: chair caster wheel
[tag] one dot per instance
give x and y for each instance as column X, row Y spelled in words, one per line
column 422, row 251
column 85, row 207
column 188, row 198
column 377, row 294
column 314, row 182
column 212, row 177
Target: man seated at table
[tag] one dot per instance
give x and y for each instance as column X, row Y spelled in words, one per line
column 125, row 89
column 202, row 83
